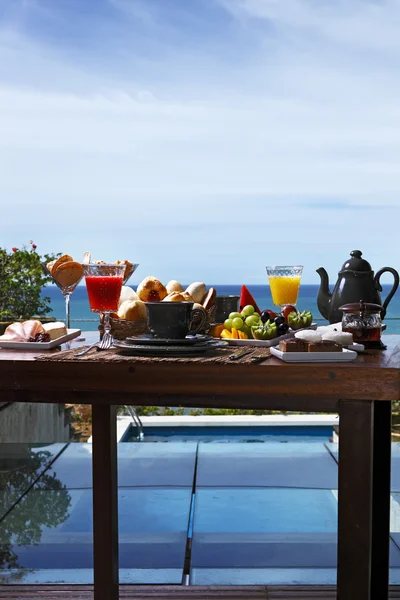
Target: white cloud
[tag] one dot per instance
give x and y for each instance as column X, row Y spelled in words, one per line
column 223, row 166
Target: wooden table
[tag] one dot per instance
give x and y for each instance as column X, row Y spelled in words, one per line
column 361, row 392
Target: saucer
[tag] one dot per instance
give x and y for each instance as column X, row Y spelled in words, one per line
column 149, row 340
column 168, row 350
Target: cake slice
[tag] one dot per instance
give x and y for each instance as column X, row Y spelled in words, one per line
column 55, row 330
column 293, row 345
column 324, row 346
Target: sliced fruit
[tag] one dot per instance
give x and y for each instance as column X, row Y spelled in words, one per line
column 226, row 334
column 235, row 333
column 246, row 298
column 216, row 330
column 243, row 335
column 286, row 310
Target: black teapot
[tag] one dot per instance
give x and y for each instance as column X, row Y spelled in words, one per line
column 356, row 282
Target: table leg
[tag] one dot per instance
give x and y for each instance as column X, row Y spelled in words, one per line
column 105, row 502
column 364, row 500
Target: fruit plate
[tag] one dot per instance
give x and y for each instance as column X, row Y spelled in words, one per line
column 301, row 357
column 266, row 343
column 71, row 334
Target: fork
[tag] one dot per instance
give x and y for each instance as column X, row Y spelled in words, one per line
column 105, row 344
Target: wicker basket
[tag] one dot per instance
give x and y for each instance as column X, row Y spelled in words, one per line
column 210, row 317
column 121, row 328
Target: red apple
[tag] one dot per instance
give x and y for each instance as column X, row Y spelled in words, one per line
column 286, row 310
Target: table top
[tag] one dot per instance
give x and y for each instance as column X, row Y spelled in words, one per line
column 374, row 375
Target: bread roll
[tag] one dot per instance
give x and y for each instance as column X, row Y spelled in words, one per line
column 132, row 310
column 151, row 290
column 197, row 291
column 173, row 286
column 197, row 305
column 127, row 293
column 175, row 297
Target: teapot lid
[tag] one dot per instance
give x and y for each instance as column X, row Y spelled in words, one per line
column 356, row 263
column 362, row 307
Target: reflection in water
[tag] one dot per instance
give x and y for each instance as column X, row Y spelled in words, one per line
column 20, row 466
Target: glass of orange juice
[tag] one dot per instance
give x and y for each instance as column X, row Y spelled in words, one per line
column 284, row 283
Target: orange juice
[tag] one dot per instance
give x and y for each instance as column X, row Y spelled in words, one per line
column 284, row 290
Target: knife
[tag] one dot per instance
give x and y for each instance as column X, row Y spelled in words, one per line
column 240, row 354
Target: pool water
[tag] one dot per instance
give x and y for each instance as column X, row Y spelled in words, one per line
column 233, row 434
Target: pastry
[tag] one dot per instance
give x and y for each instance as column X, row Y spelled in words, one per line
column 55, row 330
column 28, row 331
column 175, row 297
column 127, row 293
column 174, row 286
column 324, row 346
column 151, row 290
column 208, row 299
column 54, row 264
column 128, row 268
column 132, row 310
column 293, row 345
column 68, row 273
column 197, row 291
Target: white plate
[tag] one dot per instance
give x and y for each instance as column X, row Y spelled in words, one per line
column 71, row 334
column 266, row 343
column 297, row 357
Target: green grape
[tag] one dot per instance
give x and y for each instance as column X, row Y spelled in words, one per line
column 246, row 329
column 228, row 324
column 248, row 310
column 252, row 320
column 235, row 315
column 237, row 323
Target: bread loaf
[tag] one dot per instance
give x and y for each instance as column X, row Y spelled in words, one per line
column 151, row 290
column 196, row 291
column 127, row 293
column 132, row 310
column 174, row 286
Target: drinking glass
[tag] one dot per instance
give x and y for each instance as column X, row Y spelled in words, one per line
column 103, row 284
column 67, row 283
column 284, row 282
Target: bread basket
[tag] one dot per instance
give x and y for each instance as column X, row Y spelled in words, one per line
column 122, row 328
column 210, row 317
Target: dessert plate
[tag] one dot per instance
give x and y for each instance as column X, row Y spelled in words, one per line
column 148, row 340
column 143, row 350
column 321, row 357
column 71, row 334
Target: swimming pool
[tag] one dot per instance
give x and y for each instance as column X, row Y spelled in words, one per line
column 230, row 434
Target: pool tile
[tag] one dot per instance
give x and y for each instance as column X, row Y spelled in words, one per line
column 297, row 465
column 20, row 466
column 53, row 531
column 266, row 528
column 139, row 464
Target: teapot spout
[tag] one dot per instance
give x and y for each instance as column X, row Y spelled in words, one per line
column 324, row 295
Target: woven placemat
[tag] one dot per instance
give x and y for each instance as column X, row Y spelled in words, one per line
column 220, row 356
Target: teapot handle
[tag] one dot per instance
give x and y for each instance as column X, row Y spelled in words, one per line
column 392, row 291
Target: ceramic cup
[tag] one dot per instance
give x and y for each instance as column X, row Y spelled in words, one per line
column 173, row 320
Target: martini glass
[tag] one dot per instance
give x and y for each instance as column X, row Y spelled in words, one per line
column 129, row 271
column 66, row 290
column 284, row 283
column 104, row 284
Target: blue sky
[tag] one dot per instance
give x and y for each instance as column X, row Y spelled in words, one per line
column 202, row 139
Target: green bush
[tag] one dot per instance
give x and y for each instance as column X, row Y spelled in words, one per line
column 22, row 278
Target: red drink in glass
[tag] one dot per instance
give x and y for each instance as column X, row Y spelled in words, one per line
column 103, row 292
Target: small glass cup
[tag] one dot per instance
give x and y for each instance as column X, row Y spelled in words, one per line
column 104, row 284
column 284, row 282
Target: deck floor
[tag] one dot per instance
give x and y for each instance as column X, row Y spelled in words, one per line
column 180, row 593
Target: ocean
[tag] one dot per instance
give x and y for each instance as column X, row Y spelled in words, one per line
column 83, row 318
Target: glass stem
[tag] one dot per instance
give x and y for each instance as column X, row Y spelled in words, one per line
column 107, row 324
column 67, row 297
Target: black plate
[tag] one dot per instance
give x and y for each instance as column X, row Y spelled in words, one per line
column 149, row 340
